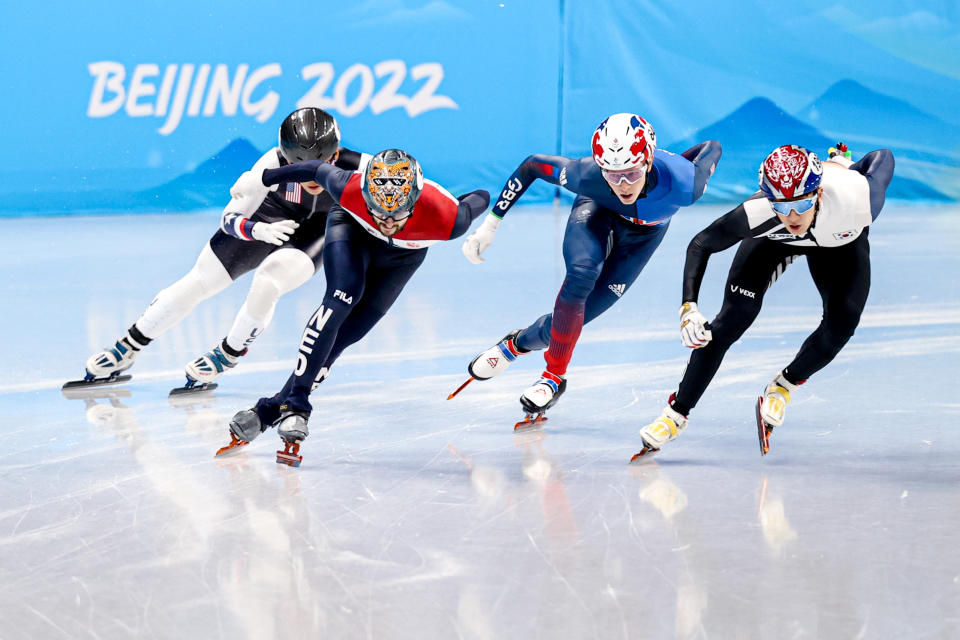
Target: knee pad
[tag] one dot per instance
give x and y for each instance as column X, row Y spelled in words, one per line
column 579, row 281
column 282, row 272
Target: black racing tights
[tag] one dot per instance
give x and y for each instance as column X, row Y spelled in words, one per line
column 841, row 275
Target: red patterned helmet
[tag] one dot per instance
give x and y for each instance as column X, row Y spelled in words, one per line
column 790, row 171
column 623, row 141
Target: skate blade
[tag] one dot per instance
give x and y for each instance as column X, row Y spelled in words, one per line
column 644, row 454
column 531, row 421
column 95, row 382
column 288, row 455
column 461, row 387
column 99, row 392
column 235, row 443
column 197, row 388
column 763, row 430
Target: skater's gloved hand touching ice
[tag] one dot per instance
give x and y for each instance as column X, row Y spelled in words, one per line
column 274, row 232
column 694, row 329
column 481, row 239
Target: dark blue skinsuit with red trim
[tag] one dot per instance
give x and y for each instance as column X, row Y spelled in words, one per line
column 606, row 243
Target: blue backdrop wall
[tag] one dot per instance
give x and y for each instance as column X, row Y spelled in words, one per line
column 159, row 106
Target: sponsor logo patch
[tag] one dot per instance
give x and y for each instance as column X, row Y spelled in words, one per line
column 618, row 289
column 735, row 289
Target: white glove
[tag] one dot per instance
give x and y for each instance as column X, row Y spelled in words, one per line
column 274, row 232
column 250, row 185
column 694, row 332
column 481, row 239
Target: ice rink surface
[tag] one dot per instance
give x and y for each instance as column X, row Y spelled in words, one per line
column 415, row 517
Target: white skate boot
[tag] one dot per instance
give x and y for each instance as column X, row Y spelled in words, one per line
column 105, row 366
column 292, row 428
column 772, row 407
column 493, row 361
column 497, row 358
column 540, row 396
column 665, row 428
column 204, row 370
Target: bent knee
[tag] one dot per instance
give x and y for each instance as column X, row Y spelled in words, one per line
column 580, row 280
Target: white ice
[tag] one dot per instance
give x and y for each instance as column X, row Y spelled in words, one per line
column 417, row 517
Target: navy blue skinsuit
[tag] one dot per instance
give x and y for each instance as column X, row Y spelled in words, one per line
column 599, row 222
column 365, row 271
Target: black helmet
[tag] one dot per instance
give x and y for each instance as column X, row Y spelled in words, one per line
column 391, row 184
column 309, row 134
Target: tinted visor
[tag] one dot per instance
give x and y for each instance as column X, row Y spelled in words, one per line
column 784, row 207
column 632, row 176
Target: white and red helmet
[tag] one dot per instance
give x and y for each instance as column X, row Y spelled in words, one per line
column 790, row 171
column 623, row 141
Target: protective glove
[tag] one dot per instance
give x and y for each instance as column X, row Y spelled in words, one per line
column 694, row 329
column 274, row 232
column 481, row 239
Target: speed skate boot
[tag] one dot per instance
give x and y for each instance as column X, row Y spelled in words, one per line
column 665, row 428
column 202, row 372
column 772, row 407
column 244, row 427
column 539, row 397
column 292, row 427
column 105, row 367
column 493, row 361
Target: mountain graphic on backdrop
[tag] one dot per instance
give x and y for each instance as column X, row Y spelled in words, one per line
column 852, row 110
column 755, row 129
column 206, row 186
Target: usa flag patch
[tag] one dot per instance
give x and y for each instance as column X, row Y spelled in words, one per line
column 293, row 193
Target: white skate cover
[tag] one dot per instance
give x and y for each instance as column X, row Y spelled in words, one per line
column 496, row 359
column 112, row 360
column 544, row 393
column 211, row 365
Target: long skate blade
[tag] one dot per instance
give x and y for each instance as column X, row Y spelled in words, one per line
column 197, row 388
column 530, row 422
column 288, row 455
column 461, row 387
column 644, row 454
column 96, row 382
column 95, row 393
column 235, row 443
column 763, row 430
